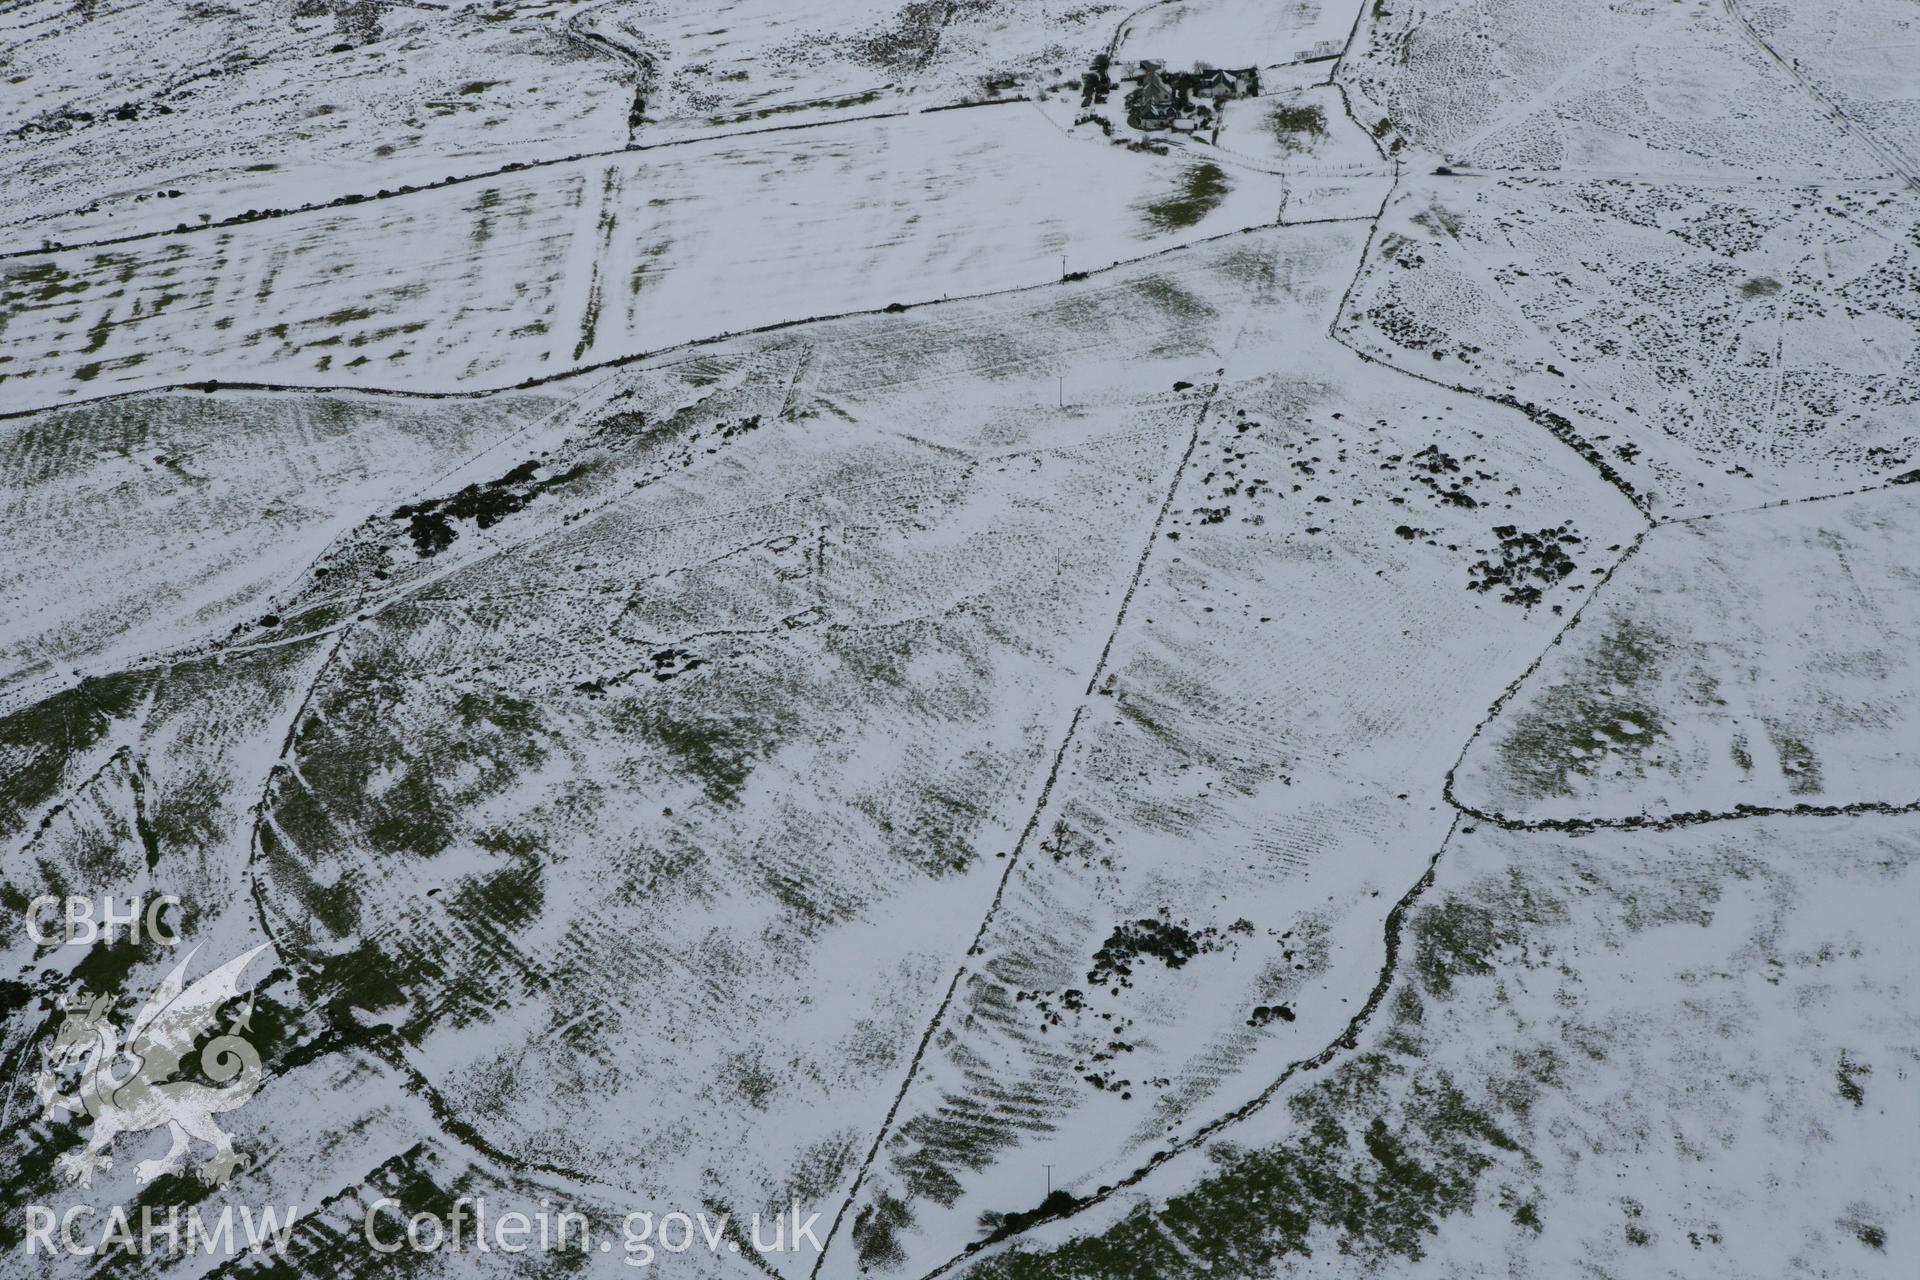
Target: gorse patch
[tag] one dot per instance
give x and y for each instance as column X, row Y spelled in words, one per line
column 1173, row 945
column 1292, row 124
column 430, row 523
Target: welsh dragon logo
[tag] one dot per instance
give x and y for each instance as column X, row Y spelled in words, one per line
column 127, row 1085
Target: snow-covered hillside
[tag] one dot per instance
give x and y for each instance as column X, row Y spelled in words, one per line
column 1043, row 640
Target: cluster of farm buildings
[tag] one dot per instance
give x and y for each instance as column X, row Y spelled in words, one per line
column 1159, row 99
column 1183, row 101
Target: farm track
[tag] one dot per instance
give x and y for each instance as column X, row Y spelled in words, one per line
column 1848, row 125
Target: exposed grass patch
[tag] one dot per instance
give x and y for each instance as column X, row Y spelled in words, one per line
column 1453, row 939
column 822, row 104
column 346, row 315
column 1202, row 187
column 1600, row 714
column 510, row 898
column 375, row 779
column 718, row 755
column 590, row 320
column 38, row 743
column 1380, row 1172
column 97, row 335
column 1173, row 298
column 876, row 1230
column 1798, row 761
column 1439, row 221
column 651, row 266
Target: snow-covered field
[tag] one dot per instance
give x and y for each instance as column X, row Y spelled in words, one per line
column 1683, row 694
column 800, row 607
column 124, row 116
column 1858, row 56
column 1718, row 345
column 492, row 283
column 1236, row 33
column 129, row 117
column 216, row 502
